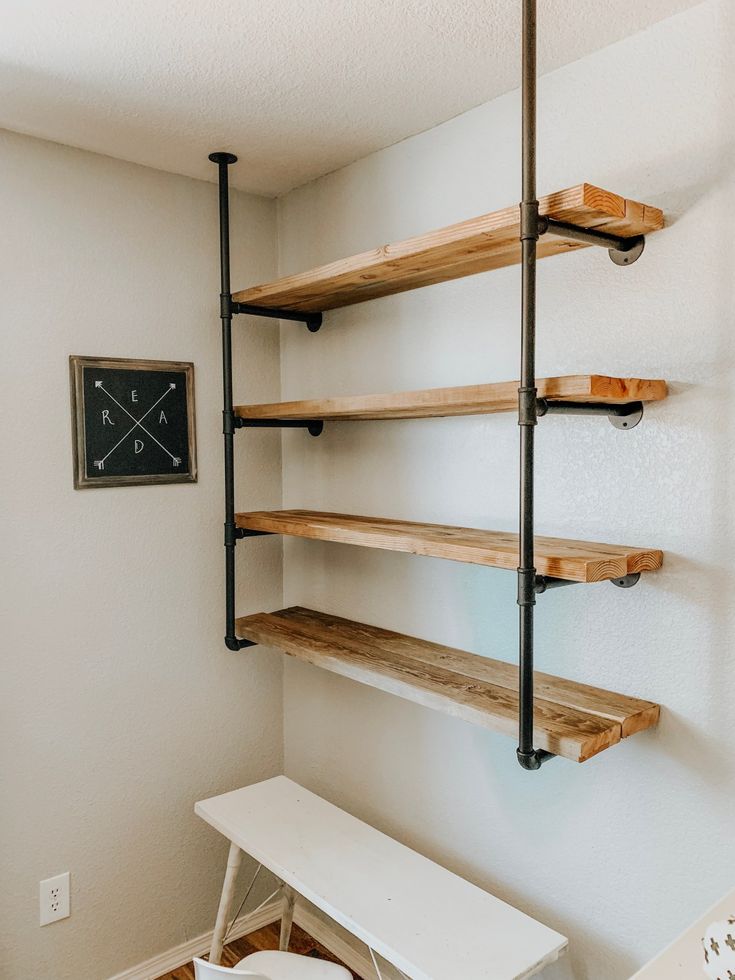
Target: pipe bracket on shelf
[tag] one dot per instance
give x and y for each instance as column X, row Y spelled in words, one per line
column 315, row 427
column 624, row 416
column 313, row 321
column 626, row 581
column 622, row 251
column 546, row 582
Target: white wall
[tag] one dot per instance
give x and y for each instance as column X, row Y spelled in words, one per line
column 121, row 705
column 622, row 852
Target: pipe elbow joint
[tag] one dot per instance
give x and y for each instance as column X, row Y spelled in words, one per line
column 533, row 760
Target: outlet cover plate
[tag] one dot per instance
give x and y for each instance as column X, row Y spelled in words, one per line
column 54, row 895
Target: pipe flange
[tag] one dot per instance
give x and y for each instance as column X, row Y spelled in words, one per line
column 626, row 421
column 630, row 255
column 222, row 157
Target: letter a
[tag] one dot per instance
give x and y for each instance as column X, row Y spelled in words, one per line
column 162, row 418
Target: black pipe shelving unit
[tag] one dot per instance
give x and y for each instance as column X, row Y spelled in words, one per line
column 537, row 233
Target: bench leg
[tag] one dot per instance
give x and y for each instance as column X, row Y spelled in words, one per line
column 225, row 903
column 289, row 900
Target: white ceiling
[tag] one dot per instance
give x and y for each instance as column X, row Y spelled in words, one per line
column 296, row 88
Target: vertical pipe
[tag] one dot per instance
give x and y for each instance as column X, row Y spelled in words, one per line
column 528, row 97
column 223, row 161
column 528, row 757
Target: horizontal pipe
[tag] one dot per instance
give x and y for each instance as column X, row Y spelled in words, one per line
column 312, row 320
column 546, row 406
column 546, row 582
column 588, row 236
column 315, row 426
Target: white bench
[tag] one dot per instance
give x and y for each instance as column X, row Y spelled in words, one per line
column 429, row 923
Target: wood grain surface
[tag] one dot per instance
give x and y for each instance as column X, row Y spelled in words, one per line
column 463, row 249
column 578, row 561
column 570, row 719
column 483, row 399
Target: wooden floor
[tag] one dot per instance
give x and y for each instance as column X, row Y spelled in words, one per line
column 266, row 938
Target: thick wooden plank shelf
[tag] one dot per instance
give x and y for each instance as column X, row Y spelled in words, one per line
column 578, row 561
column 465, row 400
column 573, row 720
column 463, row 249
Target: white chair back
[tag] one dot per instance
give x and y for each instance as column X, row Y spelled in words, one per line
column 209, row 971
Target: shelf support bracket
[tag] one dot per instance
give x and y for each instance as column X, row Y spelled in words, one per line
column 313, row 321
column 232, row 533
column 544, row 583
column 315, row 426
column 622, row 251
column 623, row 416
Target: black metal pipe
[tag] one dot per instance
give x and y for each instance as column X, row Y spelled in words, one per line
column 546, row 582
column 315, row 426
column 312, row 320
column 545, row 406
column 223, row 161
column 589, row 236
column 528, row 757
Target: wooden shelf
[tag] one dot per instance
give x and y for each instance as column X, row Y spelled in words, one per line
column 465, row 400
column 573, row 720
column 463, row 249
column 578, row 561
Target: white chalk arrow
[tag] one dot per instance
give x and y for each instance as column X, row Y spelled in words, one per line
column 137, row 422
column 176, row 460
column 172, row 385
column 98, row 384
column 100, row 464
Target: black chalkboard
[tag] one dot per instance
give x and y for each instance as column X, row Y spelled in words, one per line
column 133, row 421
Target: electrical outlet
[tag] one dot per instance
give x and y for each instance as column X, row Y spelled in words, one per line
column 54, row 896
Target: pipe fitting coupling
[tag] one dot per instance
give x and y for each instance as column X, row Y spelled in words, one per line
column 527, row 406
column 529, row 221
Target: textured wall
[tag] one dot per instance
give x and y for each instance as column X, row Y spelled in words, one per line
column 621, row 853
column 120, row 705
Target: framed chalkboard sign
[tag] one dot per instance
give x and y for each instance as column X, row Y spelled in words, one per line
column 132, row 421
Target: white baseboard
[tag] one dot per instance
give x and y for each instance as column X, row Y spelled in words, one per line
column 156, row 966
column 342, row 944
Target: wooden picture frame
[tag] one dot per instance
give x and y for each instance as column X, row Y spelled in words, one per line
column 111, row 397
